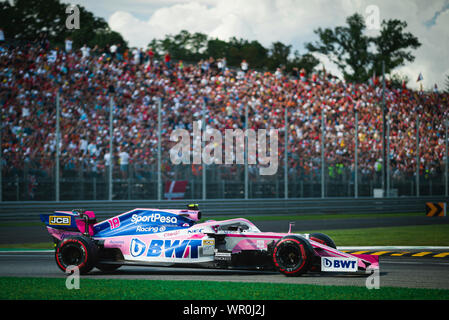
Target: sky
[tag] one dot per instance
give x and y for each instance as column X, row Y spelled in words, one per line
column 289, row 21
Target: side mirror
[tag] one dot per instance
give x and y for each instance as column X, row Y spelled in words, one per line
column 290, row 226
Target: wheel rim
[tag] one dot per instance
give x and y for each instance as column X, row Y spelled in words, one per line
column 290, row 256
column 72, row 255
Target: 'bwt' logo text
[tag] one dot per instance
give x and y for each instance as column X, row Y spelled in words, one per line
column 327, row 263
column 256, row 145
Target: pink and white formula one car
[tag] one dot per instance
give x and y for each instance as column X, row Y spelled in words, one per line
column 154, row 237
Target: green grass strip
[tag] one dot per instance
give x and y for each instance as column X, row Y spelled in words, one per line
column 107, row 289
column 303, row 217
column 27, row 246
column 427, row 235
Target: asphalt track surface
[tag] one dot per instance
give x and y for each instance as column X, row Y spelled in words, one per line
column 407, row 272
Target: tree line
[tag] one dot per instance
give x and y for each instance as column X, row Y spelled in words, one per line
column 357, row 55
column 31, row 20
column 197, row 46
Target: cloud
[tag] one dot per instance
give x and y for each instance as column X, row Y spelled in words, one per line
column 265, row 21
column 291, row 22
column 131, row 28
column 431, row 57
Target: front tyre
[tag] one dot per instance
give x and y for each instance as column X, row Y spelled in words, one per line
column 292, row 256
column 77, row 251
column 323, row 238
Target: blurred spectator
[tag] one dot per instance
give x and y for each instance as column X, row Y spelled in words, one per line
column 167, row 59
column 150, row 55
column 85, row 50
column 244, row 66
column 124, row 161
column 118, row 52
column 113, row 50
column 43, row 41
column 107, row 161
column 68, row 45
column 136, row 55
column 302, row 75
column 30, row 76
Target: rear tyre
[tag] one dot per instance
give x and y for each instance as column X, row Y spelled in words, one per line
column 76, row 251
column 292, row 256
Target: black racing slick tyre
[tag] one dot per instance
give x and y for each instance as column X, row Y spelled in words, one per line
column 323, row 238
column 76, row 251
column 292, row 256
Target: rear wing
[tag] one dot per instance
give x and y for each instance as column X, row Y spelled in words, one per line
column 76, row 221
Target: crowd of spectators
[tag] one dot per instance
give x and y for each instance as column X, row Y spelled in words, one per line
column 31, row 76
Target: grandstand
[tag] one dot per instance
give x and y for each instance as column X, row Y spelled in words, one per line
column 31, row 75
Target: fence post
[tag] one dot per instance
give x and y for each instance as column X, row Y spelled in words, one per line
column 203, row 164
column 246, row 151
column 223, row 188
column 388, row 156
column 111, row 137
column 323, row 131
column 286, row 153
column 417, row 155
column 1, row 158
column 384, row 160
column 356, row 160
column 446, row 122
column 130, row 176
column 17, row 187
column 159, row 168
column 81, row 180
column 94, row 186
column 57, row 148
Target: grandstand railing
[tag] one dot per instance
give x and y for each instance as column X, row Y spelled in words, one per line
column 30, row 210
column 140, row 183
